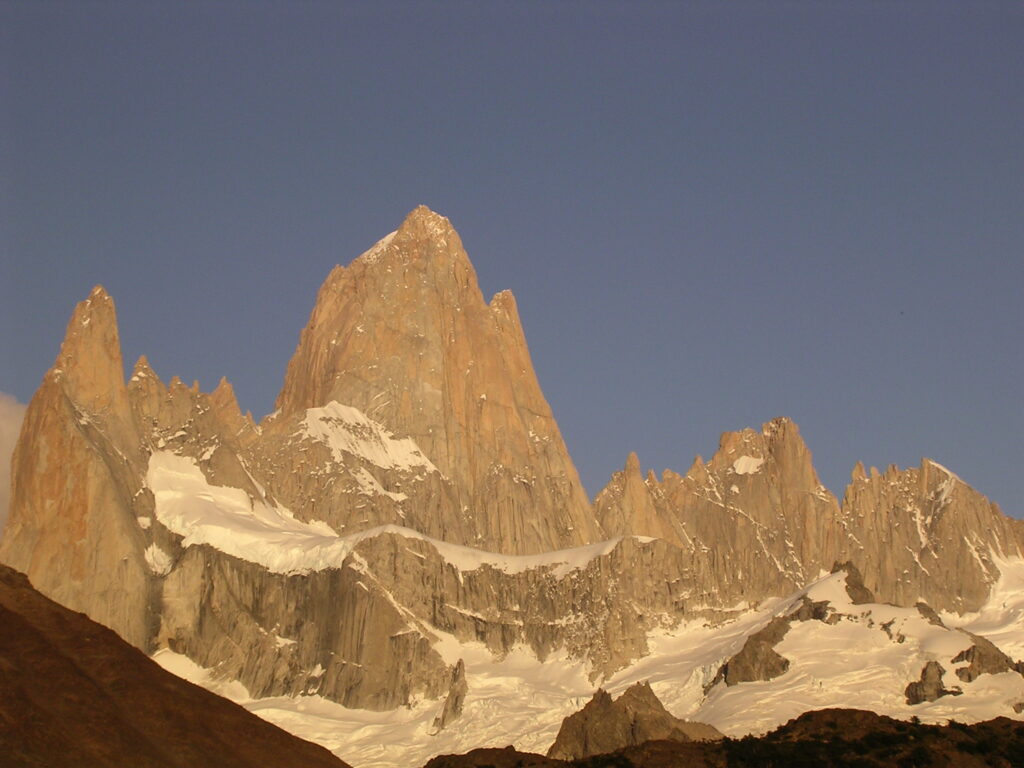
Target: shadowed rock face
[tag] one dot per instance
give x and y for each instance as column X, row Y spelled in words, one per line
column 604, row 725
column 984, row 659
column 452, row 709
column 929, row 687
column 73, row 693
column 757, row 659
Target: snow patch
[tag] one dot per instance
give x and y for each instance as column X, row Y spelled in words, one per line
column 747, row 465
column 229, row 520
column 1001, row 619
column 375, row 250
column 370, row 486
column 159, row 562
column 347, row 430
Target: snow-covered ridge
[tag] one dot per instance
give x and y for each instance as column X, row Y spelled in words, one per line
column 232, row 522
column 347, row 430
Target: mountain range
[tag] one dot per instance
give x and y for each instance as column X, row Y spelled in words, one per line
column 403, row 549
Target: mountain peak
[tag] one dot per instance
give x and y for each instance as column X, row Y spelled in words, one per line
column 89, row 361
column 404, row 336
column 431, row 237
column 421, row 215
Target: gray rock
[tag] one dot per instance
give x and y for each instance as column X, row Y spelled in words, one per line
column 983, row 658
column 859, row 594
column 929, row 687
column 452, row 709
column 757, row 659
column 604, row 725
column 929, row 613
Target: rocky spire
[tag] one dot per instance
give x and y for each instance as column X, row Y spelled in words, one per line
column 403, row 334
column 89, row 364
column 74, row 472
column 627, row 506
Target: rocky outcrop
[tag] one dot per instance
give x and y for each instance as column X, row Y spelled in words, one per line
column 637, row 716
column 492, row 757
column 929, row 687
column 757, row 659
column 452, row 709
column 826, row 738
column 74, row 693
column 984, row 658
column 859, row 594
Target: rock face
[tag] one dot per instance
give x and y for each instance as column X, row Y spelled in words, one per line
column 983, row 658
column 757, row 508
column 604, row 725
column 452, row 709
column 929, row 687
column 757, row 660
column 919, row 533
column 73, row 693
column 413, row 482
column 925, row 534
column 72, row 525
column 452, row 373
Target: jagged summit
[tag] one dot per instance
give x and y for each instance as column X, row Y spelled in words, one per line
column 403, row 335
column 423, row 235
column 89, row 361
column 424, row 223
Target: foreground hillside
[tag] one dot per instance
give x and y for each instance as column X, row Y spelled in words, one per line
column 833, row 738
column 72, row 693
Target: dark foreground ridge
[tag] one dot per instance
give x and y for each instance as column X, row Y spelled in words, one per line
column 829, row 738
column 73, row 693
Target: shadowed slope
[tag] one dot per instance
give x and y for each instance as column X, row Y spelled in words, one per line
column 73, row 693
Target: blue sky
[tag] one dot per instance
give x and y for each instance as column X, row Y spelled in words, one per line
column 711, row 214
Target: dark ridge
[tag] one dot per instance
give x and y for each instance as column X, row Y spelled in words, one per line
column 828, row 738
column 73, row 693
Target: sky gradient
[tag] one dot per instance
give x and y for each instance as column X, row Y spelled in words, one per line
column 711, row 214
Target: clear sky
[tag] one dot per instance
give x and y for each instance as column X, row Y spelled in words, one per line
column 710, row 213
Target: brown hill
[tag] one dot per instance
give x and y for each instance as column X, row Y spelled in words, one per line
column 604, row 725
column 830, row 738
column 73, row 693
